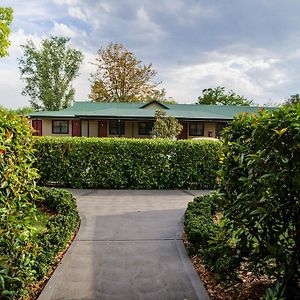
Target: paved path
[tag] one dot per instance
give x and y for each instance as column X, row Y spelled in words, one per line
column 129, row 246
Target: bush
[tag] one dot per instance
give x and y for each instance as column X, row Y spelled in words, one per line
column 208, row 238
column 127, row 163
column 59, row 229
column 259, row 202
column 29, row 238
column 17, row 193
column 260, row 180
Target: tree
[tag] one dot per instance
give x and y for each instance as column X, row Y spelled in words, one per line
column 48, row 73
column 120, row 77
column 6, row 17
column 165, row 127
column 218, row 96
column 293, row 100
column 19, row 111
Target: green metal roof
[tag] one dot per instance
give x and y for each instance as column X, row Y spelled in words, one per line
column 88, row 110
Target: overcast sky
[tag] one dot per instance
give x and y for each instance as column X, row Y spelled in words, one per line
column 249, row 46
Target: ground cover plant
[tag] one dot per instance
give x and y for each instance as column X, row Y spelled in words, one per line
column 35, row 224
column 127, row 163
column 253, row 223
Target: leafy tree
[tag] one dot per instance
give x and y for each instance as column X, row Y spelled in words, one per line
column 20, row 111
column 6, row 17
column 121, row 77
column 218, row 96
column 294, row 99
column 48, row 73
column 165, row 127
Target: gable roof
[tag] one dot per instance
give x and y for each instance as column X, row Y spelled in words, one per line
column 97, row 110
column 154, row 102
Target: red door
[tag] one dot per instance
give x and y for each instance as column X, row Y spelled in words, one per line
column 76, row 128
column 102, row 129
column 37, row 126
column 183, row 133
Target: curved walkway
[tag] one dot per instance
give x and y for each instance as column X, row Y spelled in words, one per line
column 129, row 246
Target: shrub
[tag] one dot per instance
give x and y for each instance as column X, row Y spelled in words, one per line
column 208, row 238
column 62, row 222
column 17, row 192
column 259, row 205
column 29, row 238
column 260, row 180
column 127, row 163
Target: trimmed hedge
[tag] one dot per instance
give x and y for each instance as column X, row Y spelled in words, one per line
column 127, row 163
column 63, row 222
column 51, row 229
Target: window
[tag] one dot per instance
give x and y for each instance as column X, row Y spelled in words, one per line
column 116, row 127
column 196, row 129
column 60, row 126
column 220, row 127
column 145, row 128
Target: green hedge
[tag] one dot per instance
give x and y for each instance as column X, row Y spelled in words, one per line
column 17, row 193
column 258, row 207
column 52, row 226
column 127, row 163
column 61, row 225
column 30, row 237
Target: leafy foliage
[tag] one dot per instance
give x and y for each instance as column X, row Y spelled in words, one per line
column 29, row 239
column 19, row 111
column 48, row 73
column 293, row 100
column 6, row 17
column 127, row 163
column 218, row 96
column 17, row 191
column 120, row 77
column 209, row 238
column 259, row 205
column 260, row 179
column 60, row 227
column 165, row 127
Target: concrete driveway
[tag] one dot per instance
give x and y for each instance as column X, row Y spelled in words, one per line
column 129, row 246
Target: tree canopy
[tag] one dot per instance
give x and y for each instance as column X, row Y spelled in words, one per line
column 165, row 127
column 6, row 17
column 292, row 100
column 218, row 96
column 121, row 77
column 48, row 73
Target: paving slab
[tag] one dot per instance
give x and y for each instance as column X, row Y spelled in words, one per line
column 129, row 246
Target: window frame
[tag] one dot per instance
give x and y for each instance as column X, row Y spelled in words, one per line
column 196, row 129
column 60, row 126
column 147, row 128
column 117, row 133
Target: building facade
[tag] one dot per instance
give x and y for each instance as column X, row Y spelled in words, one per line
column 133, row 120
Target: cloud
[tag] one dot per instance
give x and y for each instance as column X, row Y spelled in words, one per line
column 61, row 29
column 144, row 28
column 82, row 83
column 251, row 47
column 77, row 13
column 66, row 2
column 187, row 12
column 251, row 76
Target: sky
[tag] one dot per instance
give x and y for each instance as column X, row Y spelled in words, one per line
column 250, row 47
